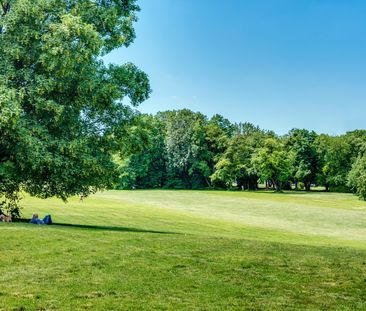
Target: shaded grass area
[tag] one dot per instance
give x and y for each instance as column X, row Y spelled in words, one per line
column 111, row 228
column 119, row 251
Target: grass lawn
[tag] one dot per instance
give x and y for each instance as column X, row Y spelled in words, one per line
column 188, row 250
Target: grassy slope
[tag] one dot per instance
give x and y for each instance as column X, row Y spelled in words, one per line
column 172, row 250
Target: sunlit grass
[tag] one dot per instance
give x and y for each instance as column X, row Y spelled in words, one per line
column 187, row 250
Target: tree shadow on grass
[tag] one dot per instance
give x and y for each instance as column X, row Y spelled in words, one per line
column 105, row 228
column 112, row 228
column 301, row 192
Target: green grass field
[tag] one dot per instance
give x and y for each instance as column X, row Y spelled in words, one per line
column 188, row 250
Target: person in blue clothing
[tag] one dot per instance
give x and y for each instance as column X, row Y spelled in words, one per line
column 37, row 221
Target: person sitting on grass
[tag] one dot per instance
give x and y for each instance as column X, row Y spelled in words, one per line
column 37, row 221
column 4, row 218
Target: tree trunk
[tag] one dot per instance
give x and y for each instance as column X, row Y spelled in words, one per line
column 276, row 185
column 208, row 182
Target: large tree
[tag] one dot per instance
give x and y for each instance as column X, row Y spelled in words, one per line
column 301, row 143
column 186, row 150
column 334, row 154
column 146, row 167
column 273, row 163
column 235, row 164
column 62, row 113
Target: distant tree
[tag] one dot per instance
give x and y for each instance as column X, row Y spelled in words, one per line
column 334, row 154
column 301, row 144
column 61, row 110
column 357, row 141
column 273, row 163
column 146, row 166
column 357, row 177
column 218, row 132
column 186, row 153
column 235, row 164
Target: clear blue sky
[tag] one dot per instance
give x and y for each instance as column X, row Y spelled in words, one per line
column 279, row 64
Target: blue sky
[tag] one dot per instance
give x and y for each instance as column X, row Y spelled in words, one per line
column 279, row 64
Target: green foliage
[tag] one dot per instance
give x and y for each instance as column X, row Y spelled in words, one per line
column 357, row 142
column 61, row 110
column 357, row 177
column 10, row 205
column 180, row 151
column 146, row 167
column 184, row 150
column 334, row 159
column 273, row 162
column 301, row 143
column 336, row 155
column 300, row 185
column 235, row 164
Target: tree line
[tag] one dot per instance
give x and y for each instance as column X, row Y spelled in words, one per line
column 182, row 149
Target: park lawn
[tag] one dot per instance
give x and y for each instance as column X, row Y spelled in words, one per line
column 188, row 250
